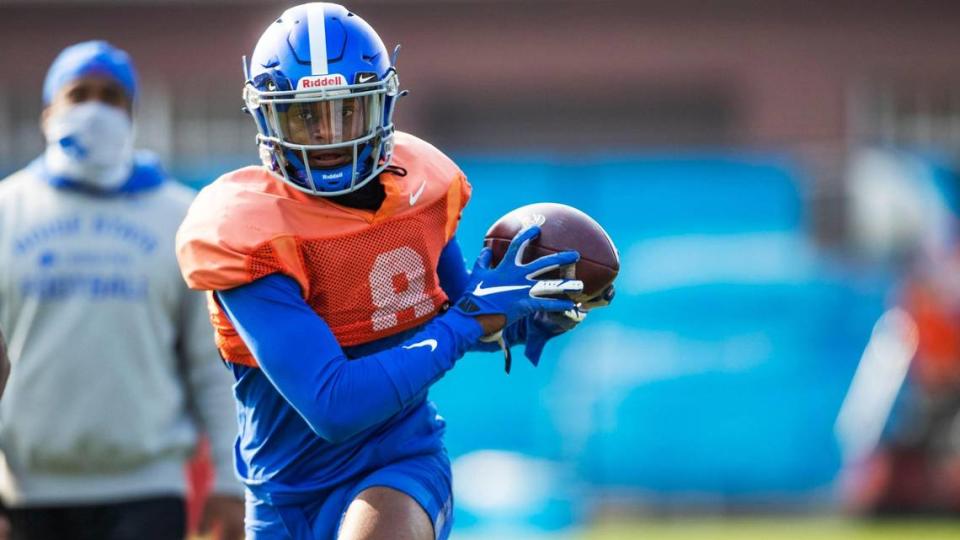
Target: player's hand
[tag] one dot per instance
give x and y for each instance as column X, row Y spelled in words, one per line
column 223, row 517
column 542, row 326
column 511, row 289
column 568, row 320
column 603, row 299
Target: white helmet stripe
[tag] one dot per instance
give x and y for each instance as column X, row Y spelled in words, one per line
column 318, row 39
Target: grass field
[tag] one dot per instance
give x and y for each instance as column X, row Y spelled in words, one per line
column 776, row 529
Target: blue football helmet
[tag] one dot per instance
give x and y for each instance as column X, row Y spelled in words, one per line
column 322, row 88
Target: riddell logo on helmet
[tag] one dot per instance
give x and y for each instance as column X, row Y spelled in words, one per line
column 321, row 81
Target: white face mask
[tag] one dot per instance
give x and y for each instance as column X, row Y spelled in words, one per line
column 90, row 143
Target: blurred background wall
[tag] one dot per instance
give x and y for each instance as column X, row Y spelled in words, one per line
column 564, row 76
column 722, row 144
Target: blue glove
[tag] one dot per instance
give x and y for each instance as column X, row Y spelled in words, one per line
column 511, row 288
column 542, row 327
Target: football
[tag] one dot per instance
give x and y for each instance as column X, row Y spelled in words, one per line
column 562, row 228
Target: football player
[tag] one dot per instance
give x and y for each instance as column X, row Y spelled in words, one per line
column 332, row 269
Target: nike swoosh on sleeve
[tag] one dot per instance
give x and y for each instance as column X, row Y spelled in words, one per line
column 432, row 343
column 415, row 196
column 481, row 291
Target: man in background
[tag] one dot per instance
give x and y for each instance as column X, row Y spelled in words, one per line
column 115, row 372
column 4, row 373
column 905, row 212
column 4, row 364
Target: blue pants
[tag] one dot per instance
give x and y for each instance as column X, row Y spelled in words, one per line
column 424, row 478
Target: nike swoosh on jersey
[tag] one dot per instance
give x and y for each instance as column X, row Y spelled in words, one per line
column 481, row 291
column 432, row 343
column 365, row 78
column 415, row 196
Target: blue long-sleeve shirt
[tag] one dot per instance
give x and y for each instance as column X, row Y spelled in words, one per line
column 338, row 396
column 315, row 414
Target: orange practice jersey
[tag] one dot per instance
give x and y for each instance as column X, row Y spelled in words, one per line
column 367, row 274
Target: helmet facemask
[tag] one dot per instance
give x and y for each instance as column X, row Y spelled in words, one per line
column 325, row 141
